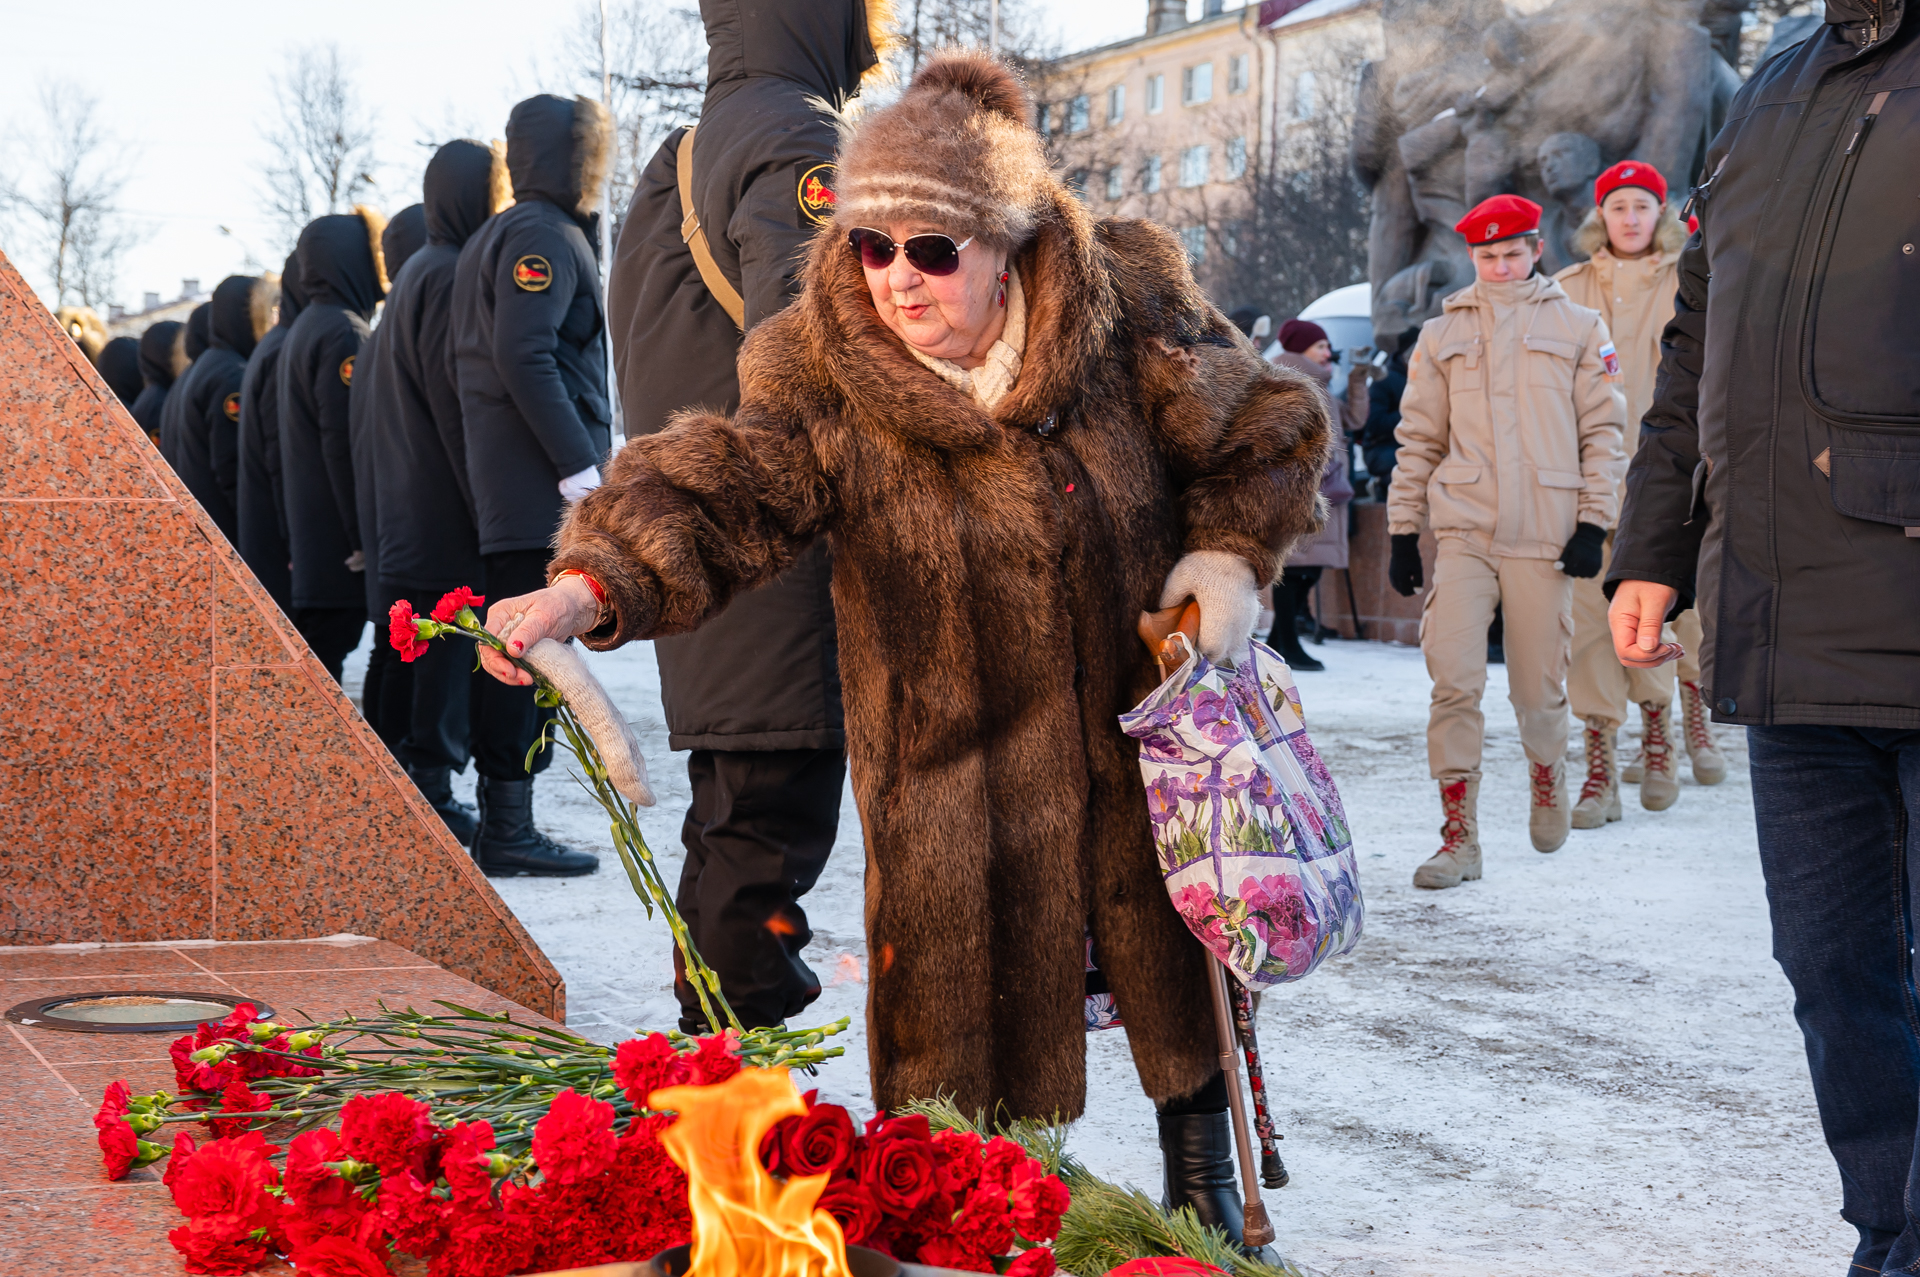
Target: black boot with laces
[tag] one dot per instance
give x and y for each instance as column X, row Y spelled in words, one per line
column 508, row 844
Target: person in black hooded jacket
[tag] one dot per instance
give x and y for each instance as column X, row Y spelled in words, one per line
column 755, row 693
column 120, row 368
column 529, row 347
column 207, row 448
column 157, row 370
column 406, row 234
column 427, row 543
column 193, row 342
column 260, row 505
column 342, row 270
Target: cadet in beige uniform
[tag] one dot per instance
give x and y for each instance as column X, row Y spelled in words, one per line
column 1510, row 450
column 1634, row 241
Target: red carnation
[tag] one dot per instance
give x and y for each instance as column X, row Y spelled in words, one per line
column 1038, row 1262
column 484, row 1245
column 309, row 1181
column 714, row 1059
column 575, row 1140
column 119, row 1146
column 223, row 1245
column 951, row 1252
column 1166, row 1266
column 338, row 1257
column 899, row 1165
column 229, row 1177
column 1038, row 1202
column 957, row 1153
column 387, row 1129
column 182, row 1150
column 450, row 604
column 644, row 1065
column 415, row 1218
column 821, row 1143
column 465, row 1162
column 1002, row 1161
column 237, row 1098
column 853, row 1207
column 403, row 633
column 983, row 1223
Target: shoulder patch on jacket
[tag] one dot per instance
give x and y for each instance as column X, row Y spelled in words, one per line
column 346, row 371
column 231, row 406
column 815, row 193
column 532, row 273
column 1610, row 360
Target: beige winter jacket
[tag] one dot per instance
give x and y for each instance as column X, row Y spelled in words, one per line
column 1636, row 299
column 1510, row 426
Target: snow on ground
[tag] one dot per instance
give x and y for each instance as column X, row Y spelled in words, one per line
column 1584, row 1064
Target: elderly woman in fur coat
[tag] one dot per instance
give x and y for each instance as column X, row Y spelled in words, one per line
column 1017, row 427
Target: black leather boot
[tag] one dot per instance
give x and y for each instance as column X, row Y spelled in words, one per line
column 1285, row 635
column 436, row 786
column 508, row 844
column 1197, row 1151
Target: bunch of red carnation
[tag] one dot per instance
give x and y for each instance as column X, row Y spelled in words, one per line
column 950, row 1200
column 408, row 634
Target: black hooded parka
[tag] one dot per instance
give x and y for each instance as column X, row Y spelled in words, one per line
column 764, row 674
column 156, row 370
column 342, row 275
column 207, row 449
column 405, row 235
column 427, row 541
column 261, row 502
column 120, row 368
column 1779, row 467
column 528, row 331
column 194, row 342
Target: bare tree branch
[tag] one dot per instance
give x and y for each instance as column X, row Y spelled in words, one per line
column 323, row 157
column 64, row 198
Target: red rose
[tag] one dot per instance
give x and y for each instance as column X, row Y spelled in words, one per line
column 853, row 1207
column 338, row 1257
column 948, row 1252
column 957, row 1154
column 450, row 604
column 224, row 1245
column 773, row 1142
column 1038, row 1202
column 1038, row 1262
column 899, row 1166
column 821, row 1143
column 387, row 1129
column 575, row 1140
column 403, row 634
column 229, row 1177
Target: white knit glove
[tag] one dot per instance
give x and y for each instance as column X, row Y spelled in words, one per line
column 575, row 486
column 1222, row 584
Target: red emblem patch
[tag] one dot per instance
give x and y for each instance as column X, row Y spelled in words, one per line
column 816, row 194
column 532, row 273
column 346, row 371
column 231, row 406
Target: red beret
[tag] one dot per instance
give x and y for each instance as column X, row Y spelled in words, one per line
column 1502, row 217
column 1630, row 173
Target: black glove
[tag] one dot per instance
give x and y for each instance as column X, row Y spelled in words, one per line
column 1581, row 558
column 1404, row 572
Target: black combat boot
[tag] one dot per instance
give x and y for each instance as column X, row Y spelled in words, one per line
column 436, row 786
column 1284, row 638
column 508, row 844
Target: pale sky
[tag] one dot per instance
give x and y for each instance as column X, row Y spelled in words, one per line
column 185, row 87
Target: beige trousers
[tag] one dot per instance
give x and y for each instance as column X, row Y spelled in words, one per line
column 1537, row 603
column 1598, row 685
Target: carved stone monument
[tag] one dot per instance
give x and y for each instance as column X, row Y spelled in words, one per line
column 1473, row 99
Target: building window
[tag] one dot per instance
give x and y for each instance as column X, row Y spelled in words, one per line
column 1116, row 182
column 1236, row 158
column 1156, row 93
column 1195, row 238
column 1150, row 176
column 1230, row 239
column 1304, row 95
column 1196, row 84
column 1046, row 118
column 1116, row 104
column 1079, row 113
column 1238, row 72
column 1077, row 183
column 1193, row 166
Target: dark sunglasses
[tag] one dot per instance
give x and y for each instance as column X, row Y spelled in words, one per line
column 929, row 254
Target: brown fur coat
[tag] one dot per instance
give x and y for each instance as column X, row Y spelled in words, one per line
column 987, row 582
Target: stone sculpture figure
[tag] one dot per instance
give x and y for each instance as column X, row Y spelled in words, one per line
column 1568, row 164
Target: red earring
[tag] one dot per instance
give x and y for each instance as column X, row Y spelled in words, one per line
column 1003, row 288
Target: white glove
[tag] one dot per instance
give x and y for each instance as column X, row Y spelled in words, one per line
column 562, row 666
column 1222, row 584
column 575, row 486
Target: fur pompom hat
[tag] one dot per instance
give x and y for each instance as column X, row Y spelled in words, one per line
column 957, row 151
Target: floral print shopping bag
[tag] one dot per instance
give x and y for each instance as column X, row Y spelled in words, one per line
column 1252, row 839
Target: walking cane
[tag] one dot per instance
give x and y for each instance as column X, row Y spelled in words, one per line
column 1171, row 634
column 1273, row 1171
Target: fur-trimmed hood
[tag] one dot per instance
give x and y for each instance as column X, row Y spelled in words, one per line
column 559, row 150
column 242, row 312
column 156, row 352
column 1669, row 236
column 406, row 234
column 197, row 335
column 831, row 48
column 341, row 260
column 466, row 183
column 293, row 291
column 83, row 324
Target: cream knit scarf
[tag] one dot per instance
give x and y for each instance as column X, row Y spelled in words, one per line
column 991, row 382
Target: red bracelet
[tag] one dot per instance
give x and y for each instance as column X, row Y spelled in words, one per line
column 599, row 591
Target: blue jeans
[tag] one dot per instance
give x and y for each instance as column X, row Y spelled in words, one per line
column 1838, row 811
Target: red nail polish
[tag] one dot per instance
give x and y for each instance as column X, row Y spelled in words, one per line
column 1069, row 487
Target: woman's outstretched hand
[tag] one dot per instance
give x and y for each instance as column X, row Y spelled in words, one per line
column 562, row 610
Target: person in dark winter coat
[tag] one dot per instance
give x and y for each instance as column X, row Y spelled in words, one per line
column 193, row 341
column 529, row 346
column 345, row 276
column 1018, row 439
column 424, row 507
column 162, row 359
column 260, row 506
column 207, row 447
column 1775, row 484
column 120, row 368
column 406, row 234
column 756, row 693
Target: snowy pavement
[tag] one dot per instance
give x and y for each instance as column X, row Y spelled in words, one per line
column 1585, row 1064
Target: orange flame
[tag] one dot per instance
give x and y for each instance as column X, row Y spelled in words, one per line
column 745, row 1222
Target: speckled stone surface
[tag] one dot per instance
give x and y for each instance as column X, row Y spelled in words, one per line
column 173, row 761
column 58, row 1212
